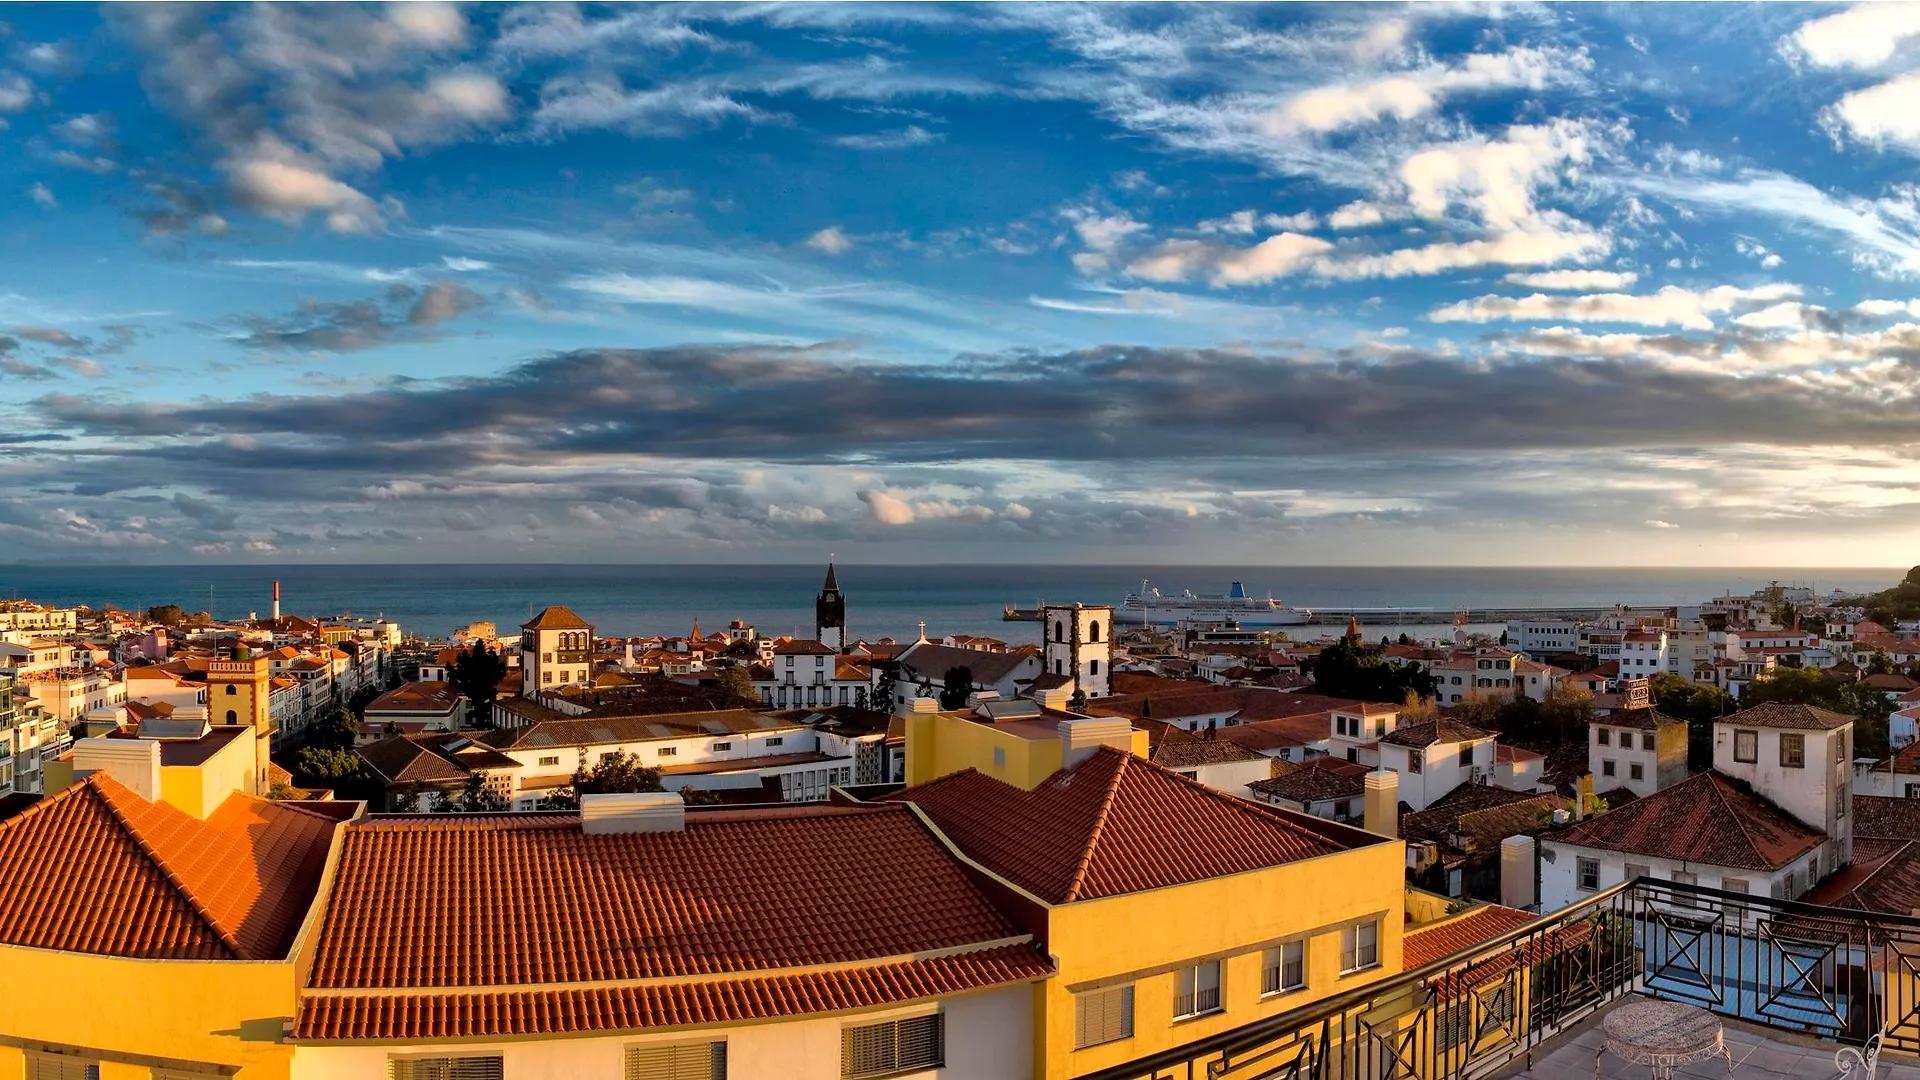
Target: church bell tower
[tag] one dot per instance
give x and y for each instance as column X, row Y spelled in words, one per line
column 830, row 611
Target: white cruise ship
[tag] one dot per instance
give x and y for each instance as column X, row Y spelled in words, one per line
column 1246, row 610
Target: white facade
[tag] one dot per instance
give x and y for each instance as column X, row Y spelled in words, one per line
column 1567, row 871
column 988, row 1036
column 1626, row 757
column 1428, row 772
column 72, row 693
column 550, row 659
column 1814, row 782
column 56, row 621
column 1079, row 645
column 1537, row 637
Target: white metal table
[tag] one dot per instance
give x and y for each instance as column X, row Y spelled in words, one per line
column 1662, row 1035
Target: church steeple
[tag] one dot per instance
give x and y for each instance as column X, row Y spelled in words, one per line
column 830, row 609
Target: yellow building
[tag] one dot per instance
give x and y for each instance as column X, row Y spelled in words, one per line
column 1172, row 912
column 1018, row 742
column 143, row 941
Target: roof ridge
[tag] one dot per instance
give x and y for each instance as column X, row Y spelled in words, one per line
column 160, row 863
column 1099, row 827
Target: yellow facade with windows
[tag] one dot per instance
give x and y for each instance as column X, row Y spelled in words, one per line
column 1021, row 752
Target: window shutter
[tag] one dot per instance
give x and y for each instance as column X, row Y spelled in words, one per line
column 1102, row 1016
column 685, row 1061
column 895, row 1046
column 445, row 1068
column 61, row 1067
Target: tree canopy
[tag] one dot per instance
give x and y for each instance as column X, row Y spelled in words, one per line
column 956, row 688
column 1350, row 668
column 737, row 684
column 476, row 673
column 614, row 773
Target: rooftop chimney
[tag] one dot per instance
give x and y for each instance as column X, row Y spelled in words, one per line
column 1079, row 738
column 1517, row 872
column 633, row 812
column 133, row 762
column 276, row 601
column 1382, row 802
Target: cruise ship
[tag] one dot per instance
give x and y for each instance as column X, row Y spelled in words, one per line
column 1152, row 606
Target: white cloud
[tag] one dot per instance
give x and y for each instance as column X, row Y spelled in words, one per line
column 16, row 93
column 583, row 103
column 1248, row 222
column 886, row 509
column 1577, row 280
column 1786, row 315
column 42, row 197
column 1101, row 234
column 1272, row 258
column 1887, row 308
column 1356, row 215
column 1865, row 36
column 1883, row 114
column 467, row 96
column 897, row 139
column 1573, row 242
column 830, row 240
column 1670, row 306
column 1882, row 231
column 1413, row 94
column 1656, row 523
column 289, row 191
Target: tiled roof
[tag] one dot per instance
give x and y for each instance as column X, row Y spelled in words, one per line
column 803, row 647
column 1176, row 748
column 1247, row 704
column 1508, row 755
column 1314, row 782
column 1482, row 814
column 427, row 697
column 1424, row 945
column 1705, row 818
column 1285, row 732
column 98, row 869
column 1443, row 730
column 1646, row 718
column 1884, row 816
column 598, row 730
column 545, row 902
column 932, row 662
column 1884, row 877
column 1114, row 824
column 556, row 618
column 1776, row 714
column 329, row 1015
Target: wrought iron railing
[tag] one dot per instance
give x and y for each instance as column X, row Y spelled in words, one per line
column 1833, row 973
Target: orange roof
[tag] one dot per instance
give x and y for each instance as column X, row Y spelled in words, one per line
column 1114, row 824
column 98, row 869
column 1426, row 944
column 426, row 697
column 328, row 1015
column 1707, row 818
column 430, row 912
column 556, row 618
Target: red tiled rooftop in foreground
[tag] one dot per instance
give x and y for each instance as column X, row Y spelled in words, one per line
column 489, row 924
column 1423, row 945
column 1704, row 818
column 1114, row 824
column 98, row 869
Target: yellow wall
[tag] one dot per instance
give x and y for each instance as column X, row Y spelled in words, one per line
column 200, row 789
column 1146, row 935
column 939, row 744
column 161, row 1011
column 1425, row 907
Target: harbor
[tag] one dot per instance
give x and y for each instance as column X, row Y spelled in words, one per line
column 1366, row 616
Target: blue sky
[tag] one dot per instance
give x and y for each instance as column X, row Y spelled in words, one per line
column 1501, row 284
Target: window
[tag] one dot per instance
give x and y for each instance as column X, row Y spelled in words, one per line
column 444, row 1068
column 1415, row 758
column 1734, row 884
column 1450, row 1025
column 1588, row 873
column 60, row 1067
column 1093, row 667
column 546, row 658
column 1813, row 869
column 1285, row 969
column 1603, row 735
column 546, row 676
column 1093, row 631
column 232, row 690
column 550, row 759
column 722, row 747
column 893, row 1047
column 609, row 755
column 1102, row 1016
column 668, row 751
column 1793, row 750
column 1343, row 808
column 683, row 1061
column 1197, row 989
column 999, row 757
column 1466, row 754
column 1635, row 870
column 1636, row 771
column 1681, row 877
column 776, row 740
column 1359, row 947
column 1746, row 746
column 232, row 717
column 1606, row 767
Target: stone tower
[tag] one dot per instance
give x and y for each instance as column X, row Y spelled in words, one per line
column 830, row 611
column 239, row 692
column 1079, row 645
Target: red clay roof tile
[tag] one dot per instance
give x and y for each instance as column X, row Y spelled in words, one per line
column 1424, row 945
column 1705, row 818
column 1115, row 824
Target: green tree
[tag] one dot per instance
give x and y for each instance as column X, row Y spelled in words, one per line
column 1699, row 706
column 1078, row 702
column 362, row 698
column 280, row 790
column 737, row 684
column 336, row 729
column 1795, row 686
column 476, row 673
column 614, row 773
column 1350, row 668
column 166, row 615
column 886, row 688
column 475, row 797
column 956, row 687
column 1879, row 663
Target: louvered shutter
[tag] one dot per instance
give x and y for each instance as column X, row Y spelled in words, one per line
column 61, row 1067
column 1102, row 1016
column 920, row 1042
column 686, row 1061
column 444, row 1068
column 895, row 1046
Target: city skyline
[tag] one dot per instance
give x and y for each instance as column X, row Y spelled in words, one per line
column 1207, row 285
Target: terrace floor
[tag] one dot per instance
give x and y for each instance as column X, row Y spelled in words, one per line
column 1758, row 1054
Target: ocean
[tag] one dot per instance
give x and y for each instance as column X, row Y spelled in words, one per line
column 431, row 601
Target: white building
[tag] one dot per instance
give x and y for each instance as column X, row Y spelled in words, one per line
column 1639, row 749
column 1079, row 646
column 31, row 618
column 1540, row 637
column 808, row 674
column 920, row 673
column 68, row 694
column 1433, row 758
column 1773, row 816
column 556, row 649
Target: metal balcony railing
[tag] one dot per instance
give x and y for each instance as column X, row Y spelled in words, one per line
column 1832, row 973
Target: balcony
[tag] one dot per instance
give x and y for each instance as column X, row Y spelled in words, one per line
column 1792, row 982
